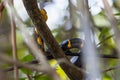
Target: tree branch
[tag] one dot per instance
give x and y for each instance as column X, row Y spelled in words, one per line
column 33, row 11
column 1, row 6
column 14, row 44
column 111, row 68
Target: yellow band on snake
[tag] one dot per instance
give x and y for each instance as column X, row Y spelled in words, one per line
column 44, row 14
column 69, row 44
column 39, row 41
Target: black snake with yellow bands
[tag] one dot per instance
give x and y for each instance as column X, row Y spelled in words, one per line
column 37, row 37
column 66, row 45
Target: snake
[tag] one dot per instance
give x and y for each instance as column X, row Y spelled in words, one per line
column 66, row 45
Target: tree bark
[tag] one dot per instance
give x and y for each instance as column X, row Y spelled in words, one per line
column 34, row 13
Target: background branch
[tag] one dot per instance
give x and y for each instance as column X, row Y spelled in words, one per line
column 8, row 60
column 1, row 6
column 111, row 68
column 14, row 44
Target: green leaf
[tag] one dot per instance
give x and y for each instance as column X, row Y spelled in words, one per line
column 107, row 77
column 26, row 71
column 117, row 14
column 27, row 58
column 22, row 78
column 104, row 32
column 42, row 77
column 105, row 39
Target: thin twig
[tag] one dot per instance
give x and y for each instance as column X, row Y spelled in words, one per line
column 1, row 6
column 112, row 68
column 71, row 21
column 14, row 45
column 107, row 38
column 31, row 62
column 7, row 59
column 29, row 77
column 113, row 56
